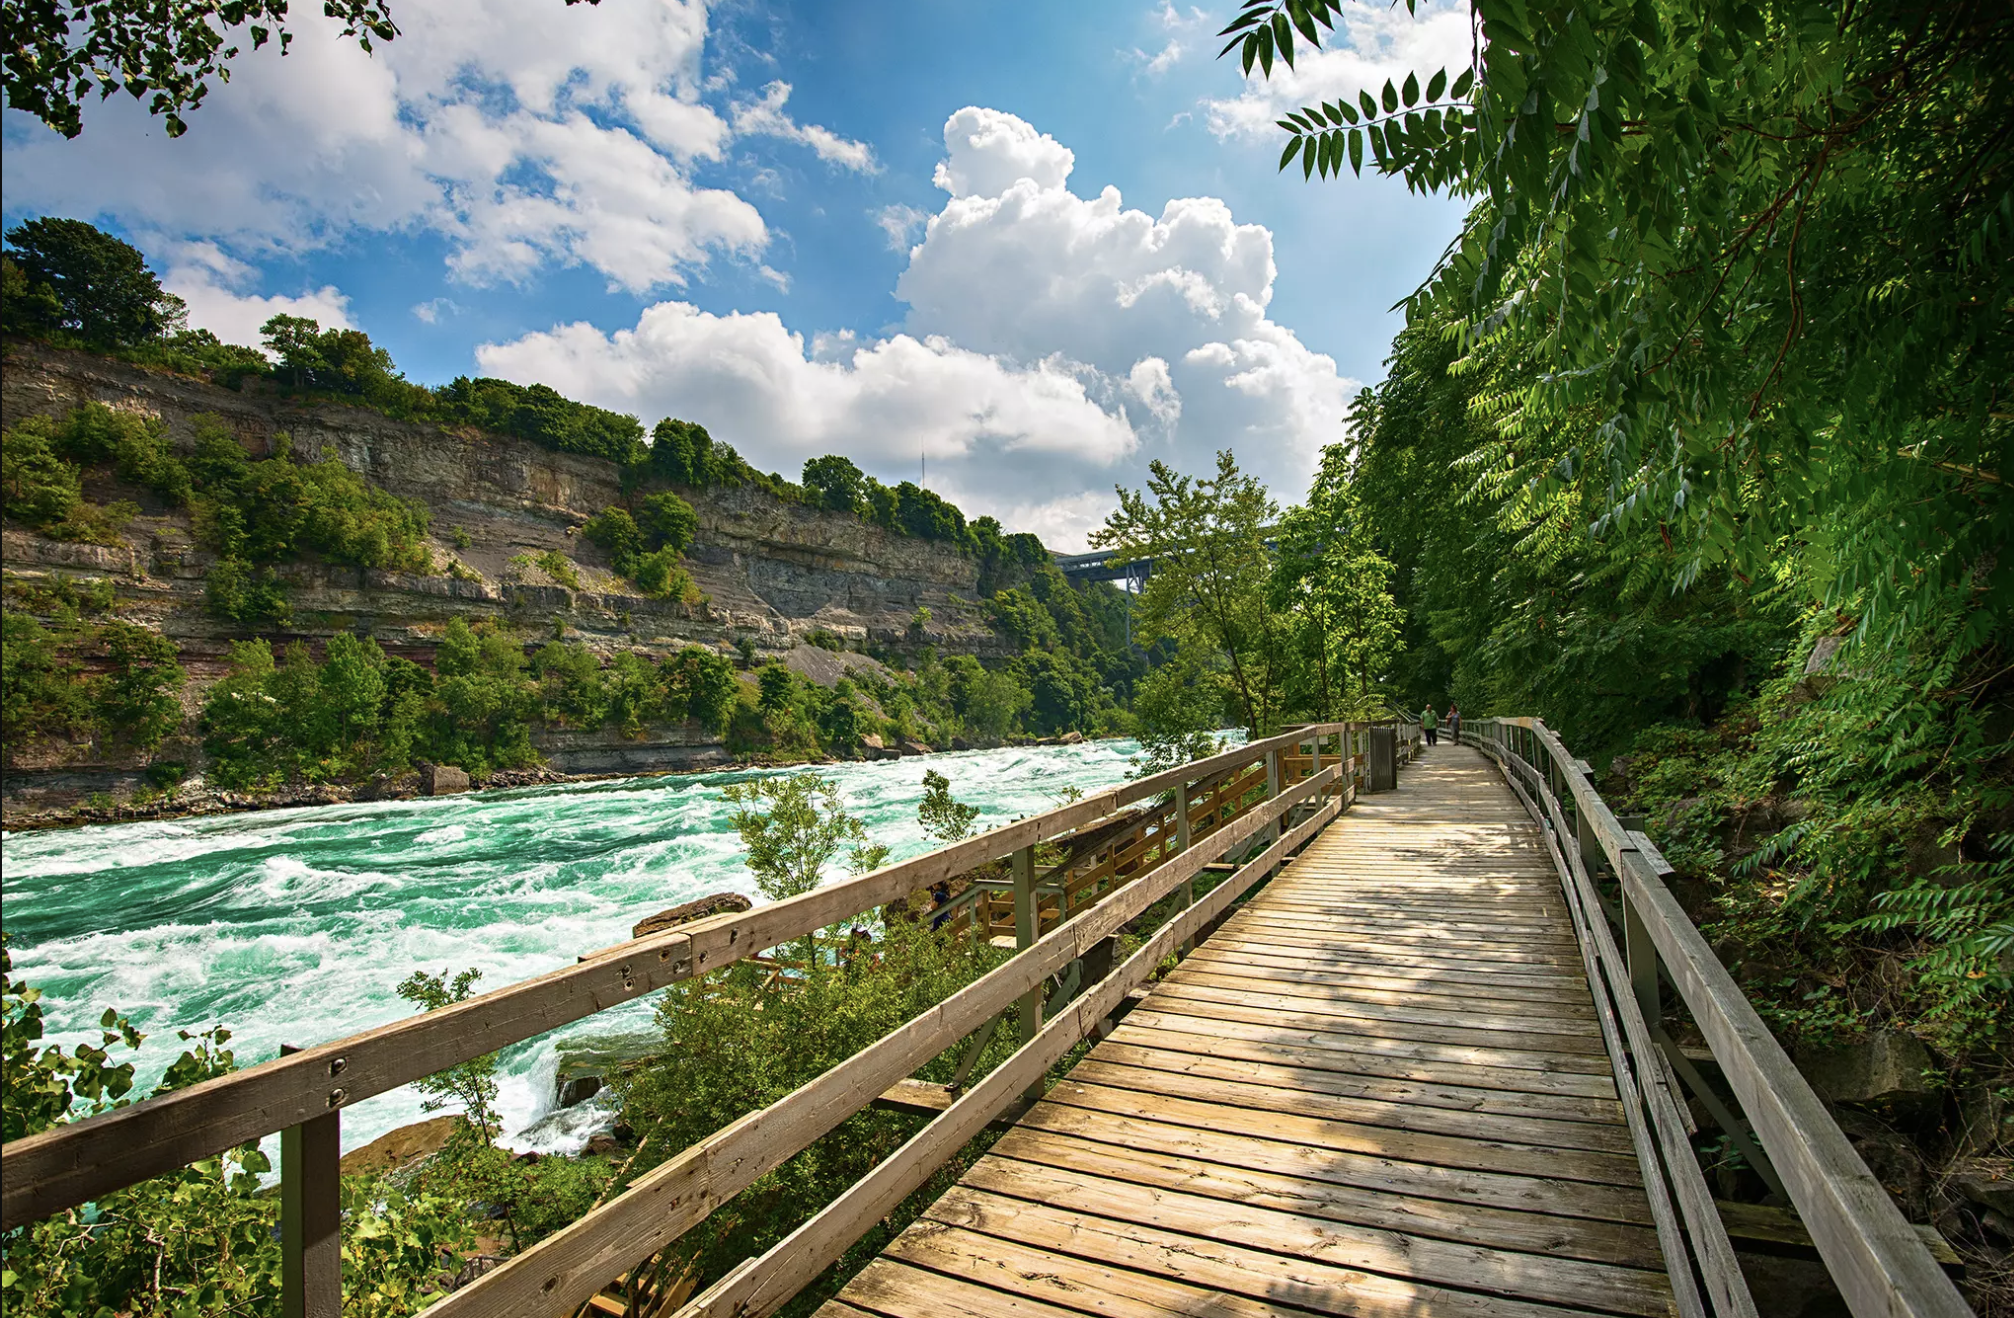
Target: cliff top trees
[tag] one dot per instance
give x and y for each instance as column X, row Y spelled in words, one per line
column 73, row 277
column 835, row 483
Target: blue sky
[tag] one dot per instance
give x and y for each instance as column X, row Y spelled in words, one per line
column 874, row 229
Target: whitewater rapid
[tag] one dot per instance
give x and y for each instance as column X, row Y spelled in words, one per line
column 295, row 926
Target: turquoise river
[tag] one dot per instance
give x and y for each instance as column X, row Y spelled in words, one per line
column 295, row 926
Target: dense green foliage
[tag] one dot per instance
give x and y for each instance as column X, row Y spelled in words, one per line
column 1258, row 618
column 251, row 513
column 1695, row 446
column 61, row 51
column 46, row 693
column 204, row 1239
column 66, row 276
column 646, row 546
column 740, row 1039
column 357, row 711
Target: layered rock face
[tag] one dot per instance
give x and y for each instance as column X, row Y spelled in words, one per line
column 771, row 571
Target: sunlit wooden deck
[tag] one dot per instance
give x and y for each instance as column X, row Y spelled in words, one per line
column 1378, row 1089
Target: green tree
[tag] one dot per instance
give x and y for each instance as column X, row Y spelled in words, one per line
column 1206, row 539
column 991, row 701
column 793, row 828
column 1751, row 263
column 350, row 692
column 682, row 453
column 479, row 1162
column 835, row 483
column 839, row 719
column 1181, row 705
column 778, row 688
column 139, row 695
column 943, row 816
column 570, row 684
column 700, row 685
column 42, row 694
column 615, row 531
column 40, row 489
column 339, row 361
column 484, row 700
column 1334, row 588
column 101, row 288
column 58, row 53
column 667, row 522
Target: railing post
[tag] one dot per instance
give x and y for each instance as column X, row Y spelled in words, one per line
column 311, row 1241
column 1026, row 920
column 1273, row 790
column 1642, row 956
column 1182, row 839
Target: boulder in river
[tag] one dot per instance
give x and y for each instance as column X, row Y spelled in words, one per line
column 396, row 1149
column 578, row 1089
column 443, row 779
column 694, row 910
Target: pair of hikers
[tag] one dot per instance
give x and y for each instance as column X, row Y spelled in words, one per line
column 1431, row 722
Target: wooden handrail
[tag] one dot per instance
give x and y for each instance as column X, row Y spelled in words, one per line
column 74, row 1163
column 1881, row 1266
column 763, row 1285
column 568, row 1267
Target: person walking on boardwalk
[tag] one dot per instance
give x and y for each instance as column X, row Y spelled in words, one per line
column 1430, row 721
column 1455, row 722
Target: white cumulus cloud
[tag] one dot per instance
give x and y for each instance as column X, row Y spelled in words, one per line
column 210, row 282
column 990, row 150
column 527, row 132
column 766, row 118
column 758, row 385
column 1054, row 343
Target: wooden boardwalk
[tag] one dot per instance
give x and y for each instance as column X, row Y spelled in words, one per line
column 1379, row 1089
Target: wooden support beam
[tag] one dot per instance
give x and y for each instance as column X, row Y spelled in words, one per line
column 311, row 1203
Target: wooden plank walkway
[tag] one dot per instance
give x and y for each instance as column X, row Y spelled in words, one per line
column 1378, row 1090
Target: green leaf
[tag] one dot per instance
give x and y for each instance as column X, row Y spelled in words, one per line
column 1357, row 150
column 1412, row 89
column 1370, row 106
column 1283, row 37
column 1463, row 83
column 1391, row 97
column 1437, row 84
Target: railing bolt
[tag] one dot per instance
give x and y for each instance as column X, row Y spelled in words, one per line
column 336, row 1097
column 336, row 1067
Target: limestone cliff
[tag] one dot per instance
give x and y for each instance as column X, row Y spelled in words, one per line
column 771, row 571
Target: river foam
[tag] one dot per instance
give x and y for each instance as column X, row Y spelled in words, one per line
column 295, row 926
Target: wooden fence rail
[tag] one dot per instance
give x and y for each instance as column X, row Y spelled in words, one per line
column 302, row 1093
column 1881, row 1266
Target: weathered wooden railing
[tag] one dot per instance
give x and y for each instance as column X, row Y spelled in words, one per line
column 301, row 1094
column 1880, row 1265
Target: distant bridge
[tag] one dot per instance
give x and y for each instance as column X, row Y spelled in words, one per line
column 1103, row 565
